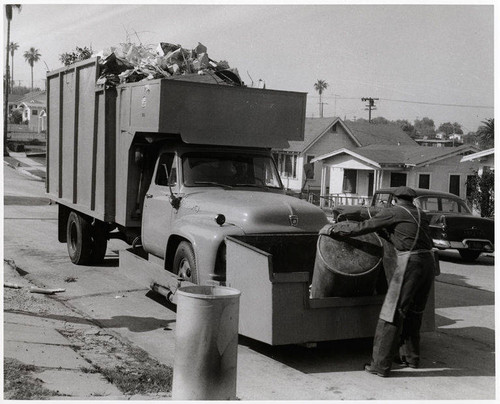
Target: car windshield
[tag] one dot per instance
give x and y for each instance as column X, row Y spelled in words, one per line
column 442, row 204
column 229, row 170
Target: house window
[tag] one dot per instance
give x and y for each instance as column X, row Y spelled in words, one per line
column 309, row 172
column 424, row 181
column 349, row 185
column 34, row 112
column 398, row 179
column 287, row 164
column 454, row 184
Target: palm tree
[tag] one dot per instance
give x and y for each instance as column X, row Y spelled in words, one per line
column 320, row 86
column 486, row 133
column 32, row 56
column 13, row 47
column 8, row 14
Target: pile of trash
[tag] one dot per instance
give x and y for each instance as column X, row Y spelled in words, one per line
column 130, row 63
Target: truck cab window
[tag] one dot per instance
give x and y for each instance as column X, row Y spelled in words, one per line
column 166, row 169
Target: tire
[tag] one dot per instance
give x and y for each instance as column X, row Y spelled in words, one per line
column 99, row 243
column 185, row 262
column 79, row 239
column 468, row 255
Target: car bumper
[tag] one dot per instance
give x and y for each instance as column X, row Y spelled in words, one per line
column 465, row 244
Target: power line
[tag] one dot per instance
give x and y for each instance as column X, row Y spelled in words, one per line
column 437, row 103
column 414, row 102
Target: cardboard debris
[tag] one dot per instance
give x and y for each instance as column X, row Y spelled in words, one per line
column 130, row 63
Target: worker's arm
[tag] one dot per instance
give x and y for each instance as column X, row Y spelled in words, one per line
column 382, row 219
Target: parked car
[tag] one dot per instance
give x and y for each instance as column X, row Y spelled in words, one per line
column 452, row 224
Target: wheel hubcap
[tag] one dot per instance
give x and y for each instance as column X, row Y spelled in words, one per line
column 184, row 269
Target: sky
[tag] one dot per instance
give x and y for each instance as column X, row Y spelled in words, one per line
column 421, row 60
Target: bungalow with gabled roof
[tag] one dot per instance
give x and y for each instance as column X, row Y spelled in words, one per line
column 351, row 175
column 323, row 135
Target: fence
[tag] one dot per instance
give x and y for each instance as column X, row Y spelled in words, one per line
column 331, row 200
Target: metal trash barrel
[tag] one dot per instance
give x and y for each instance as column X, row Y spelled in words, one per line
column 346, row 266
column 206, row 343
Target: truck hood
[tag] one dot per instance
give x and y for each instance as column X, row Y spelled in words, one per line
column 256, row 212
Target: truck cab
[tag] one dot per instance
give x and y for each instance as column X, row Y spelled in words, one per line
column 199, row 194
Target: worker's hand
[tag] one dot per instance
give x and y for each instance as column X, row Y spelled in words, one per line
column 325, row 231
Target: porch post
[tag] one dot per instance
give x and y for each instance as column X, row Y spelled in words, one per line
column 322, row 192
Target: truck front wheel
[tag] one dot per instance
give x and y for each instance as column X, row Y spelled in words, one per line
column 79, row 239
column 185, row 263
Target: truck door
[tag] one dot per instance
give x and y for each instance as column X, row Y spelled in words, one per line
column 157, row 211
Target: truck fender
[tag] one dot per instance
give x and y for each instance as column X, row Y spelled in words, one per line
column 206, row 237
column 62, row 221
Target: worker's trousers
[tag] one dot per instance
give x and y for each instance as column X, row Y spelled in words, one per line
column 404, row 332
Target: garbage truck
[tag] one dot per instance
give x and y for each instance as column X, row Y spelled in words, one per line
column 182, row 171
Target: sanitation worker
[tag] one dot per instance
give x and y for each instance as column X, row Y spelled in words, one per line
column 406, row 227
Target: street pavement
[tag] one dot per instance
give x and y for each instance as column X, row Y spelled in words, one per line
column 457, row 360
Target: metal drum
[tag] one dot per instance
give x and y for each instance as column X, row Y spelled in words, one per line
column 346, row 266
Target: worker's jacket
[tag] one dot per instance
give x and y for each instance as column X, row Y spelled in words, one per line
column 395, row 224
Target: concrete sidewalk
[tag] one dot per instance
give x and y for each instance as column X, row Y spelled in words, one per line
column 24, row 164
column 35, row 326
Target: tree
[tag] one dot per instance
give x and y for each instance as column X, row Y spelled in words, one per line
column 380, row 120
column 457, row 128
column 32, row 56
column 13, row 47
column 407, row 127
column 486, row 134
column 320, row 86
column 8, row 13
column 449, row 128
column 425, row 127
column 482, row 192
column 446, row 128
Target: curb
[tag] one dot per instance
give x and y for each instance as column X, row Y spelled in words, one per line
column 23, row 171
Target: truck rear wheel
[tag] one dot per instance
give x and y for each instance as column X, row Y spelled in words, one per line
column 185, row 263
column 79, row 239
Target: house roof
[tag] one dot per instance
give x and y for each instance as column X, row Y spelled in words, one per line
column 14, row 98
column 35, row 97
column 369, row 133
column 409, row 155
column 314, row 128
column 362, row 133
column 478, row 155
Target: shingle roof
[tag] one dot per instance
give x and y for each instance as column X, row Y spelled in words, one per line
column 407, row 154
column 34, row 97
column 364, row 133
column 314, row 127
column 369, row 133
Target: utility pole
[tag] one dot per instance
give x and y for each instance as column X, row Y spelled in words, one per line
column 370, row 106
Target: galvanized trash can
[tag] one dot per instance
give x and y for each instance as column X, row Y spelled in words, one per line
column 346, row 266
column 206, row 343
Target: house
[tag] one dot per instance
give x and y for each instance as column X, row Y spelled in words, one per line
column 485, row 159
column 34, row 108
column 13, row 102
column 323, row 135
column 351, row 175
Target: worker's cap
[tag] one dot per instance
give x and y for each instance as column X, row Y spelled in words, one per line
column 405, row 193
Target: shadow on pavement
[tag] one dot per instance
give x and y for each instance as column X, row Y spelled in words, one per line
column 468, row 296
column 132, row 323
column 454, row 257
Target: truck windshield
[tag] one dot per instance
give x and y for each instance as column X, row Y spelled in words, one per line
column 229, row 170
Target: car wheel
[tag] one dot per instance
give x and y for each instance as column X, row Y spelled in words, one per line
column 468, row 255
column 185, row 263
column 79, row 239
